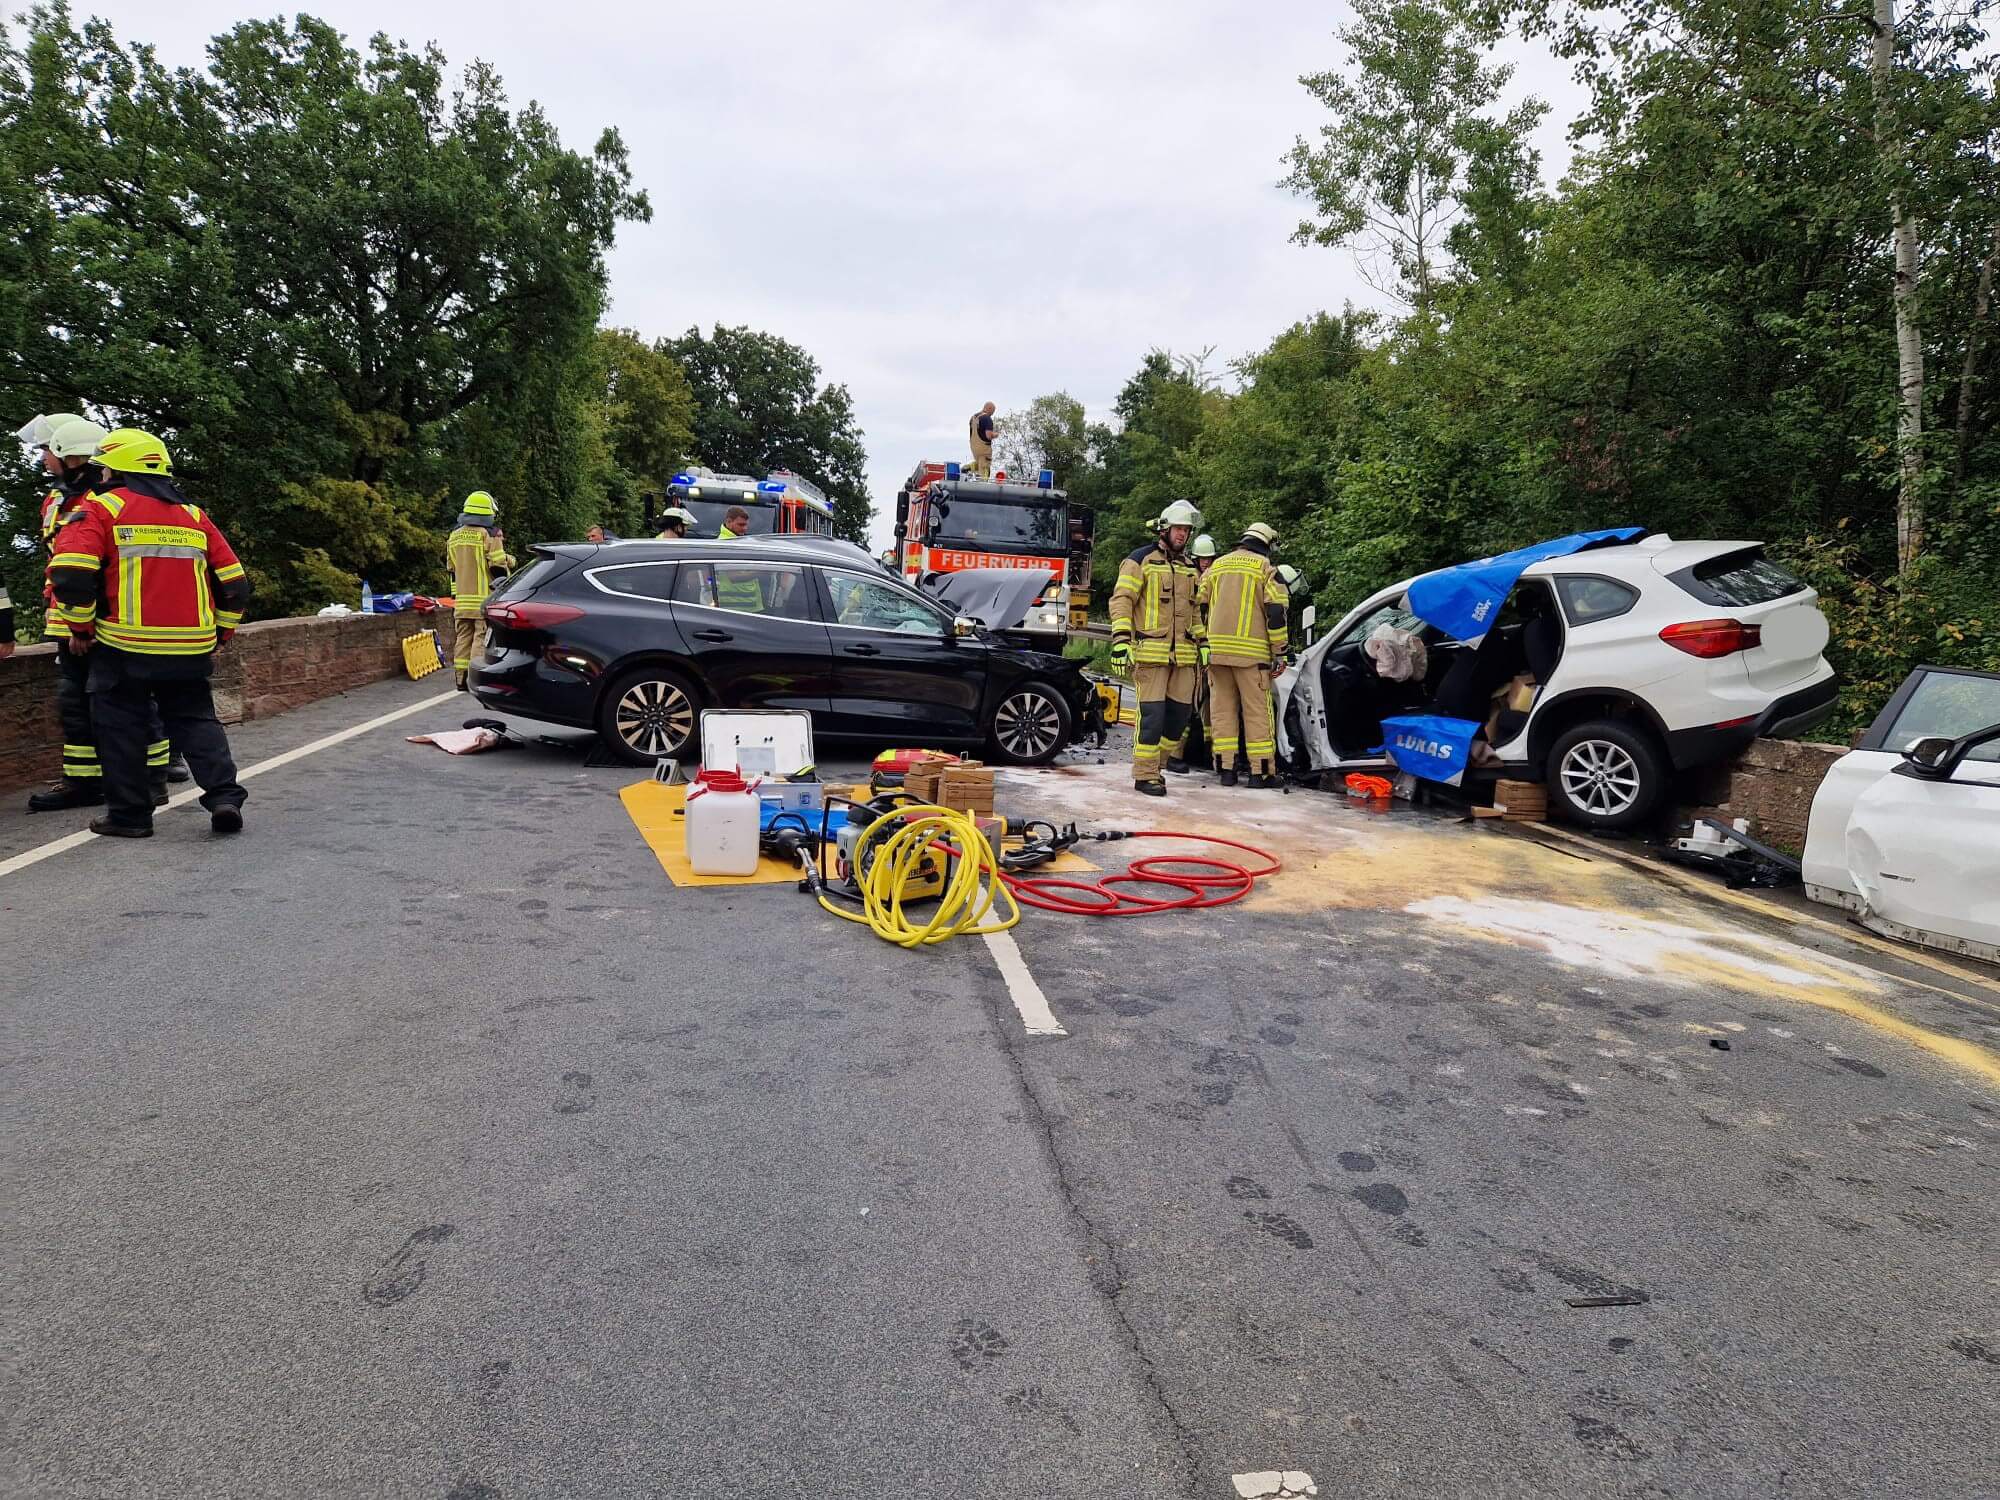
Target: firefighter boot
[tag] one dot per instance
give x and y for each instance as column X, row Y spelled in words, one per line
column 106, row 828
column 63, row 793
column 1150, row 788
column 1227, row 776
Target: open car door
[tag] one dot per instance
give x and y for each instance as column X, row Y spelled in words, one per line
column 1905, row 828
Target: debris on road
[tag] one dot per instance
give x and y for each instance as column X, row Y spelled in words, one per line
column 1720, row 1044
column 1607, row 1301
column 1274, row 1484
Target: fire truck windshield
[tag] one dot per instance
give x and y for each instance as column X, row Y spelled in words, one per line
column 988, row 523
column 708, row 515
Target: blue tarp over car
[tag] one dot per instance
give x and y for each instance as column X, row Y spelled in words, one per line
column 1464, row 600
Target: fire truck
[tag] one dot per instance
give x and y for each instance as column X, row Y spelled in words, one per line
column 782, row 502
column 949, row 522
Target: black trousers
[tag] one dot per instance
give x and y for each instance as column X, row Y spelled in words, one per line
column 124, row 697
column 79, row 753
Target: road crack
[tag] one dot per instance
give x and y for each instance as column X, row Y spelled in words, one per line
column 1101, row 1260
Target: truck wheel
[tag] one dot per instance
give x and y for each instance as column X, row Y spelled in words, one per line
column 1606, row 774
column 1031, row 724
column 649, row 714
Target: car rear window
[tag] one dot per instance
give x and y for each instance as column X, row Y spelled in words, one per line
column 1737, row 580
column 533, row 576
column 1587, row 598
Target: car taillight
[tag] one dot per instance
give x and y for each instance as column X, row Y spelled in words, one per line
column 1712, row 638
column 527, row 615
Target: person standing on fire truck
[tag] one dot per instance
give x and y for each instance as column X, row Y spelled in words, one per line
column 980, row 429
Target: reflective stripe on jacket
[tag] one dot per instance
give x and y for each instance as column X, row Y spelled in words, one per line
column 59, row 508
column 1244, row 606
column 469, row 552
column 1153, row 604
column 147, row 572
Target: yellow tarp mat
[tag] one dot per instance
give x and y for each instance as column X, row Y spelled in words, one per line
column 658, row 811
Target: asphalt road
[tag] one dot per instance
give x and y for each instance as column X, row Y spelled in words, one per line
column 425, row 1141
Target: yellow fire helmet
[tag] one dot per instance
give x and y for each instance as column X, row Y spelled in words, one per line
column 76, row 437
column 479, row 503
column 1204, row 546
column 130, row 451
column 1257, row 531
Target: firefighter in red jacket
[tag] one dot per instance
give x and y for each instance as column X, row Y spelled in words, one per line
column 69, row 454
column 149, row 588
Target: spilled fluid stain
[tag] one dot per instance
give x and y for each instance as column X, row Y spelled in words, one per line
column 1700, row 957
column 1588, row 913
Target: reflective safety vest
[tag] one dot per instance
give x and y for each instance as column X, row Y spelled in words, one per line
column 1152, row 605
column 58, row 510
column 469, row 553
column 1244, row 605
column 145, row 571
column 740, row 589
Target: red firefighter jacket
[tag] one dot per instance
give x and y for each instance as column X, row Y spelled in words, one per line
column 147, row 572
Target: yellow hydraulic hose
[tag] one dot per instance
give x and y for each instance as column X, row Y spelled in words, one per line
column 971, row 887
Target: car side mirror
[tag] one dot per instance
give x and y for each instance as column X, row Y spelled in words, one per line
column 1308, row 617
column 964, row 627
column 1930, row 752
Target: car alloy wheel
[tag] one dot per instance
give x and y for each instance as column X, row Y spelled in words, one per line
column 654, row 717
column 1600, row 777
column 1028, row 725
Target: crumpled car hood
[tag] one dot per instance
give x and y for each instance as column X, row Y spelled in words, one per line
column 997, row 598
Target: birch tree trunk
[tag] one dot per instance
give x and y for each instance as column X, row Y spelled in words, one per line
column 1909, row 340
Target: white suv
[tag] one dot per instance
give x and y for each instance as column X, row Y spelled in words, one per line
column 1647, row 657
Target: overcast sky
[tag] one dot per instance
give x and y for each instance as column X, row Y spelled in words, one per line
column 943, row 204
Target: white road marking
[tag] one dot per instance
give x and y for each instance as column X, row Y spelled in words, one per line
column 180, row 799
column 1036, row 1017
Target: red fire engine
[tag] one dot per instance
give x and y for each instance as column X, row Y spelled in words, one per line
column 947, row 522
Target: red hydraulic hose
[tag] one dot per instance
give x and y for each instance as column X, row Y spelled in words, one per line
column 1212, row 881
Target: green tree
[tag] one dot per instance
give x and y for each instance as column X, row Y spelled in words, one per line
column 1147, row 459
column 1050, row 433
column 648, row 423
column 319, row 273
column 759, row 405
column 1412, row 145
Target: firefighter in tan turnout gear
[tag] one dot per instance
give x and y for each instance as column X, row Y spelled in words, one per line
column 1244, row 606
column 472, row 553
column 1156, row 635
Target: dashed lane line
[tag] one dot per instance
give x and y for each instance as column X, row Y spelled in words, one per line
column 84, row 836
column 1036, row 1017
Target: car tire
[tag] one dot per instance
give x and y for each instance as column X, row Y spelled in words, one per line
column 1606, row 774
column 650, row 714
column 1030, row 724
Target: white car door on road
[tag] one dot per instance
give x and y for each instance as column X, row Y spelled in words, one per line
column 1917, row 856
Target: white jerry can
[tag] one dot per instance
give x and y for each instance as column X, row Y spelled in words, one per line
column 722, row 825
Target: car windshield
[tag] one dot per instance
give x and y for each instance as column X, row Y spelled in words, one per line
column 995, row 523
column 1951, row 705
column 708, row 516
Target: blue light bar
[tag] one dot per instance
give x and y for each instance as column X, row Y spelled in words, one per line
column 771, row 486
column 951, row 471
column 1046, row 479
column 682, row 479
